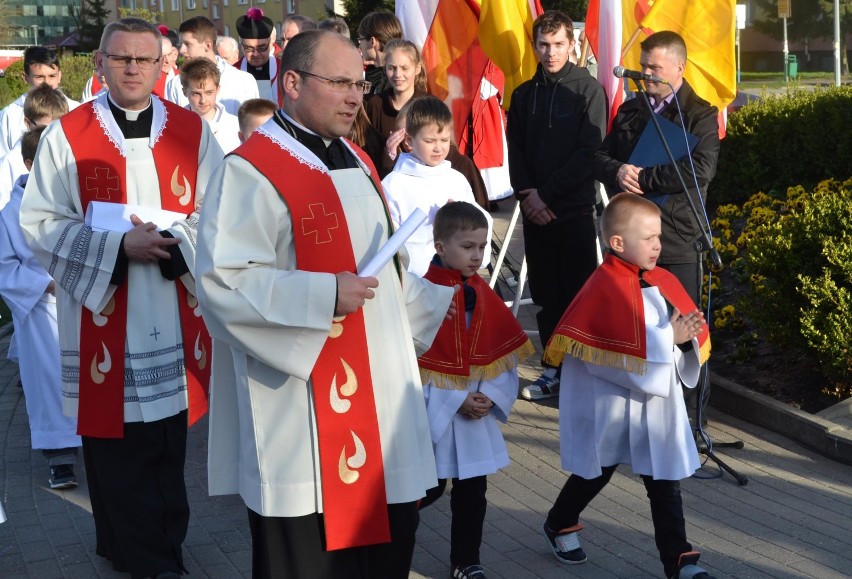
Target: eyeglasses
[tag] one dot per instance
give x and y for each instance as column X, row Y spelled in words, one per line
column 253, row 49
column 363, row 86
column 120, row 61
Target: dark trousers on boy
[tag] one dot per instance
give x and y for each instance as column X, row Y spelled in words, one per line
column 666, row 512
column 468, row 505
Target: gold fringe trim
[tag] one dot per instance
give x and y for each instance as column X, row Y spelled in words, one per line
column 488, row 372
column 704, row 352
column 561, row 345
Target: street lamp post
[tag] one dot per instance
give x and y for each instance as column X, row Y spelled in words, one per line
column 35, row 34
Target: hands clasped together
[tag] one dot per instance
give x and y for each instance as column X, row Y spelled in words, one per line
column 477, row 405
column 686, row 326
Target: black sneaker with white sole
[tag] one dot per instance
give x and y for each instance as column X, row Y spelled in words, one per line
column 62, row 477
column 469, row 572
column 565, row 544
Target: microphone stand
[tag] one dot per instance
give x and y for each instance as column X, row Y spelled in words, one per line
column 702, row 244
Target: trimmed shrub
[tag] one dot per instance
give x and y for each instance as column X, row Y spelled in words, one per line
column 798, row 138
column 76, row 71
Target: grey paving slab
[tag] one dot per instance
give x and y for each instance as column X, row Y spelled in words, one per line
column 792, row 520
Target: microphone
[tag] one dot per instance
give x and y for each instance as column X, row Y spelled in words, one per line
column 622, row 72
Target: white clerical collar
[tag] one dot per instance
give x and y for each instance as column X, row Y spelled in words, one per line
column 129, row 114
column 304, row 128
column 110, row 127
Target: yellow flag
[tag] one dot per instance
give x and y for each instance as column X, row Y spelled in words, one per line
column 708, row 27
column 505, row 35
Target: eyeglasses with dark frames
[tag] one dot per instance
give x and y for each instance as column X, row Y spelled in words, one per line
column 121, row 61
column 252, row 49
column 363, row 86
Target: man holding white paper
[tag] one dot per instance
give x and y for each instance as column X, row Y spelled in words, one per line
column 134, row 349
column 317, row 414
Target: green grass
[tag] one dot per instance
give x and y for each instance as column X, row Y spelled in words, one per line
column 751, row 80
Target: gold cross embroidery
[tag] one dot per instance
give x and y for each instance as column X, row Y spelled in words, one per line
column 319, row 223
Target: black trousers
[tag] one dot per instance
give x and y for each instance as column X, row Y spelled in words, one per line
column 691, row 277
column 560, row 258
column 666, row 512
column 468, row 505
column 294, row 548
column 138, row 496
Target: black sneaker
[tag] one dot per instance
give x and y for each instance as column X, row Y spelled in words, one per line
column 62, row 477
column 565, row 544
column 469, row 572
column 687, row 568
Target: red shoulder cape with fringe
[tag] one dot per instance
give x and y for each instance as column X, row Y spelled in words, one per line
column 493, row 344
column 605, row 323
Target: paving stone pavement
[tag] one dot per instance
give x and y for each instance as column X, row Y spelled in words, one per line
column 793, row 519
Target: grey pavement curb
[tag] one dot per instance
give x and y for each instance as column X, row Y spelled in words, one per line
column 818, row 434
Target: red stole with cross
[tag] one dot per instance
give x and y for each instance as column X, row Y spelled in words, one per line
column 605, row 323
column 353, row 481
column 493, row 344
column 102, row 176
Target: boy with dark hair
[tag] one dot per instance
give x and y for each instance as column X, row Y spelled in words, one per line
column 424, row 179
column 200, row 80
column 198, row 40
column 375, row 30
column 252, row 114
column 470, row 380
column 41, row 66
column 43, row 105
column 626, row 343
column 29, row 291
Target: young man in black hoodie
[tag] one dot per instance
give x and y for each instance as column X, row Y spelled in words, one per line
column 556, row 123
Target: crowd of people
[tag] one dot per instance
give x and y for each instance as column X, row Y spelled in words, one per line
column 235, row 207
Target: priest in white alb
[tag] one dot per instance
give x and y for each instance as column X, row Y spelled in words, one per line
column 134, row 349
column 317, row 413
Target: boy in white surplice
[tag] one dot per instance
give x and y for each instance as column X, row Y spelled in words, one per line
column 627, row 341
column 470, row 380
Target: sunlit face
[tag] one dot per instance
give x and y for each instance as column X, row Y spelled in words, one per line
column 191, row 48
column 130, row 86
column 640, row 244
column 170, row 55
column 43, row 74
column 367, row 46
column 554, row 49
column 256, row 50
column 431, row 145
column 664, row 63
column 401, row 71
column 463, row 251
column 313, row 103
column 202, row 97
column 288, row 31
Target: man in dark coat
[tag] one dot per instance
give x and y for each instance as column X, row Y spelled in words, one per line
column 555, row 125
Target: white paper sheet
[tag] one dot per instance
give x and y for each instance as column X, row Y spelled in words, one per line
column 116, row 216
column 394, row 244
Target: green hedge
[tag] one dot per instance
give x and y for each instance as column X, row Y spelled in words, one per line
column 800, row 138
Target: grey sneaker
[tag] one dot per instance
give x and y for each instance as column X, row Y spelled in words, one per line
column 687, row 568
column 565, row 544
column 62, row 477
column 543, row 388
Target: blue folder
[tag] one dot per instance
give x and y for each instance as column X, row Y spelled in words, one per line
column 649, row 150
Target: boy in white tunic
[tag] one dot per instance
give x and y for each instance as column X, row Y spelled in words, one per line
column 424, row 179
column 200, row 80
column 625, row 347
column 30, row 293
column 470, row 380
